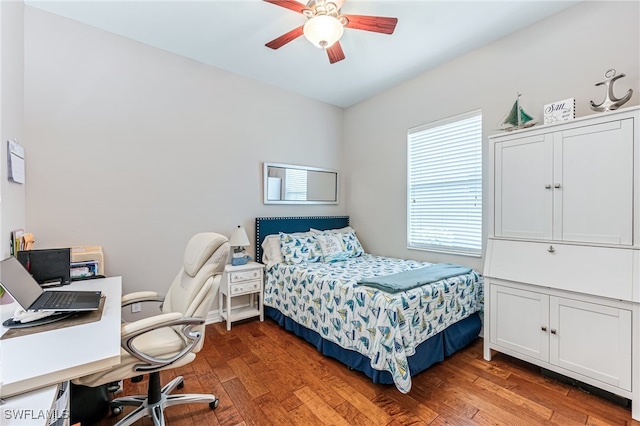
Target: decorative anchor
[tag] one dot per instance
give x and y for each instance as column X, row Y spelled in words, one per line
column 611, row 102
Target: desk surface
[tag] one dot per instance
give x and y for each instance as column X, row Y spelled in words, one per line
column 50, row 357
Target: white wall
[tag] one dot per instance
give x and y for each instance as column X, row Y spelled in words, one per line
column 12, row 195
column 136, row 149
column 557, row 58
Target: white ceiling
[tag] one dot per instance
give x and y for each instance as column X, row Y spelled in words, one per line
column 231, row 35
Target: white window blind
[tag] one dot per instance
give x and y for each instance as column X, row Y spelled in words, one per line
column 445, row 185
column 295, row 184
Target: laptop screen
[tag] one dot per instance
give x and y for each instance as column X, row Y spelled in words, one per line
column 17, row 281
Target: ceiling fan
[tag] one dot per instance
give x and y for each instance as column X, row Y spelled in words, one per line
column 325, row 25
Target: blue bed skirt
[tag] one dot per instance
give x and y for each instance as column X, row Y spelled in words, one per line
column 433, row 350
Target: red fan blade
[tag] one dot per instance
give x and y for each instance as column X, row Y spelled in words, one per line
column 335, row 53
column 285, row 38
column 377, row 24
column 289, row 4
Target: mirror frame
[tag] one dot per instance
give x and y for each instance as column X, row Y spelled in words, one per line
column 297, row 167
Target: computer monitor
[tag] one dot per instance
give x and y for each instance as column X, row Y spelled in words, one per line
column 49, row 267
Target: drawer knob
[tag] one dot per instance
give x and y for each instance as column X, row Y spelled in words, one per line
column 548, row 186
column 543, row 328
column 551, row 249
column 557, row 186
column 553, row 331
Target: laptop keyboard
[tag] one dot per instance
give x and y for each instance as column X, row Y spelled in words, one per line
column 60, row 299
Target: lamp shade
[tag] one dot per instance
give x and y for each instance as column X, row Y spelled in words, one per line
column 239, row 238
column 323, row 30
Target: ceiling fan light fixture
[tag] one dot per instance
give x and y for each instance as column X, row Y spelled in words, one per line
column 323, row 31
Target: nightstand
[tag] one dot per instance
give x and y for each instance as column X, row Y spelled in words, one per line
column 241, row 280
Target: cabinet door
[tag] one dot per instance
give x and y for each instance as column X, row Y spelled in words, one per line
column 523, row 195
column 591, row 339
column 593, row 183
column 519, row 321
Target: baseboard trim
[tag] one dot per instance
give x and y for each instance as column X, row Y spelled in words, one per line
column 616, row 399
column 213, row 317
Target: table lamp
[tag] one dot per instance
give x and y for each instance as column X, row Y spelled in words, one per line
column 239, row 241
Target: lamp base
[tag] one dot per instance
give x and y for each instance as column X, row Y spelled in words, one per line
column 235, row 261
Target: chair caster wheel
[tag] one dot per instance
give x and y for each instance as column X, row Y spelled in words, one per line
column 213, row 405
column 113, row 387
column 181, row 384
column 116, row 410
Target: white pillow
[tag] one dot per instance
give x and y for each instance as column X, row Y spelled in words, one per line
column 344, row 230
column 271, row 253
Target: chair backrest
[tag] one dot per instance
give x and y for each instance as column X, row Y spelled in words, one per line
column 196, row 284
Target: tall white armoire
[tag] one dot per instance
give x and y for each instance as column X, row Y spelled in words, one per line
column 562, row 272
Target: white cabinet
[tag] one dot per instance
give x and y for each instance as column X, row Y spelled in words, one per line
column 572, row 184
column 562, row 265
column 570, row 334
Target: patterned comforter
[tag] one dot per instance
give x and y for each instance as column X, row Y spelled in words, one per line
column 387, row 328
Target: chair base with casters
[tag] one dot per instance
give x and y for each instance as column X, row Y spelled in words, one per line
column 157, row 399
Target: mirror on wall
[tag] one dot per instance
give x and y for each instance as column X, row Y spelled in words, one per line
column 291, row 184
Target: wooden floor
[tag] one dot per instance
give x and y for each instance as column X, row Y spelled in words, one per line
column 264, row 375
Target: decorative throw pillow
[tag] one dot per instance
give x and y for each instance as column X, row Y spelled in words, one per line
column 351, row 244
column 300, row 249
column 348, row 237
column 332, row 248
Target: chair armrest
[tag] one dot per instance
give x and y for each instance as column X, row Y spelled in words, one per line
column 140, row 296
column 147, row 324
column 131, row 331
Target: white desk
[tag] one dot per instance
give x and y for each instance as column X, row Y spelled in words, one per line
column 33, row 408
column 42, row 359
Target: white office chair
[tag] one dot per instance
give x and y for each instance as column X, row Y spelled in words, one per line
column 172, row 338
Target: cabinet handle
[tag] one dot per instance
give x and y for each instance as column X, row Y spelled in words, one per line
column 548, row 186
column 553, row 331
column 557, row 185
column 551, row 249
column 543, row 328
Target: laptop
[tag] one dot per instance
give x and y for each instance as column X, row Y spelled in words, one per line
column 49, row 267
column 27, row 292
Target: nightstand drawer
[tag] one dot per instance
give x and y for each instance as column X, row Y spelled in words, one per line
column 235, row 277
column 250, row 286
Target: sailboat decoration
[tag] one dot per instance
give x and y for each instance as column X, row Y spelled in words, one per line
column 517, row 118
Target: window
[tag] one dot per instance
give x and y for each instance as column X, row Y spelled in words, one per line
column 445, row 185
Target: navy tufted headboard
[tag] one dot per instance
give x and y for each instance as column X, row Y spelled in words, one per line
column 272, row 225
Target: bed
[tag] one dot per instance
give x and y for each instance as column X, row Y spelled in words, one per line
column 332, row 298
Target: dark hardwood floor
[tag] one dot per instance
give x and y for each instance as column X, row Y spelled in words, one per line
column 264, row 375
